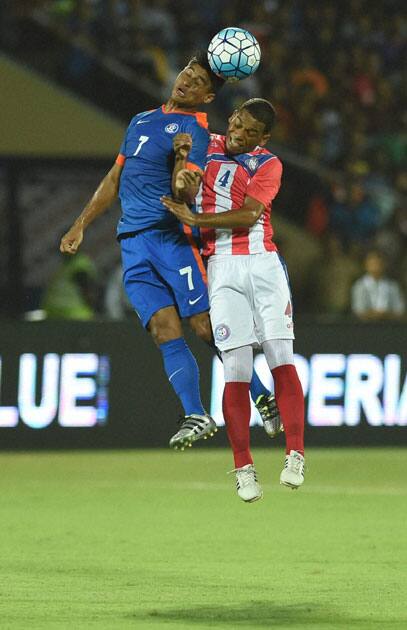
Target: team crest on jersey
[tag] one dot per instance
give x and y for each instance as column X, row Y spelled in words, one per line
column 222, row 332
column 172, row 128
column 252, row 163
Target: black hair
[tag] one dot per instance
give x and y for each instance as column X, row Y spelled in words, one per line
column 261, row 110
column 201, row 58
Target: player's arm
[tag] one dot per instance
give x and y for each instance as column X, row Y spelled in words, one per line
column 185, row 177
column 102, row 199
column 245, row 217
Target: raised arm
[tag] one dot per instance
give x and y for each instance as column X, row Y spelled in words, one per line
column 185, row 182
column 104, row 196
column 245, row 217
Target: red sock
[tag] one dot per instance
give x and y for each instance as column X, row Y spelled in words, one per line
column 236, row 411
column 290, row 402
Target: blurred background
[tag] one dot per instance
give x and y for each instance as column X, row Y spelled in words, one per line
column 74, row 72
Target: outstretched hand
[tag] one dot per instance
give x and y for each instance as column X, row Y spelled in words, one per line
column 181, row 210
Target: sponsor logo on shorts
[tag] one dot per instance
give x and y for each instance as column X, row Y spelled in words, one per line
column 172, row 128
column 222, row 332
column 192, row 302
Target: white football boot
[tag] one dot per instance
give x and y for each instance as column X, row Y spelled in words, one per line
column 292, row 474
column 246, row 483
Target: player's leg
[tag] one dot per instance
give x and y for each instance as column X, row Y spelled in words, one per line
column 233, row 327
column 154, row 301
column 274, row 327
column 179, row 363
column 290, row 401
column 261, row 396
column 183, row 374
column 175, row 264
column 238, row 367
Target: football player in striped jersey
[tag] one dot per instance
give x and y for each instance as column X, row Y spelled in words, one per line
column 250, row 298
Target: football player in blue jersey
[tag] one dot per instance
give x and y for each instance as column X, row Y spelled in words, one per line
column 163, row 273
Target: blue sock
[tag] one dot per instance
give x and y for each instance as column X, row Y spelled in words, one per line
column 183, row 373
column 257, row 388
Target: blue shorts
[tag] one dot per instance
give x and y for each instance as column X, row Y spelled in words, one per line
column 163, row 268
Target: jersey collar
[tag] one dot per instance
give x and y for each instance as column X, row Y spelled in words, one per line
column 201, row 117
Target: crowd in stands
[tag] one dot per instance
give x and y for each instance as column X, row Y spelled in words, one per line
column 335, row 73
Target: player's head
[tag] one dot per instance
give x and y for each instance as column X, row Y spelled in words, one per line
column 250, row 126
column 375, row 263
column 196, row 84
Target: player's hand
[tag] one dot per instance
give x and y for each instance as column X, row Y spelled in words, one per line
column 181, row 210
column 187, row 179
column 182, row 144
column 71, row 241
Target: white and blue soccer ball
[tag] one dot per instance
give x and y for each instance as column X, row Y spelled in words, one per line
column 234, row 54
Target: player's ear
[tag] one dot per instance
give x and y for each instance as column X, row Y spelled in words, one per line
column 264, row 139
column 209, row 98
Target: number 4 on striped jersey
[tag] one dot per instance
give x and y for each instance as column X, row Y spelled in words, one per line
column 224, row 179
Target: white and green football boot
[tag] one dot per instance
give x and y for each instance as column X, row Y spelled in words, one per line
column 268, row 410
column 192, row 428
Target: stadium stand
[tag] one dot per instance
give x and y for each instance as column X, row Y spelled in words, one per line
column 334, row 72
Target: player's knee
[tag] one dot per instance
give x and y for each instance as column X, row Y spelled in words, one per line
column 164, row 326
column 162, row 334
column 201, row 326
column 238, row 364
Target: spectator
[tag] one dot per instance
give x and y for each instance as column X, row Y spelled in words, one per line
column 72, row 292
column 335, row 276
column 376, row 297
column 354, row 217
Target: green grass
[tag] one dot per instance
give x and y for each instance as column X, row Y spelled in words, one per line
column 159, row 540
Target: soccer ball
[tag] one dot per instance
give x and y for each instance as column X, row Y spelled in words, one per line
column 234, row 54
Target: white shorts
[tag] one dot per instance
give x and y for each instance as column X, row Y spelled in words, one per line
column 250, row 299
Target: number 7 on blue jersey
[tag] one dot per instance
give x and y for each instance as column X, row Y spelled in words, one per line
column 141, row 141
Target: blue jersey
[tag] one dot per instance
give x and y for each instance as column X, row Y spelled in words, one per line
column 147, row 157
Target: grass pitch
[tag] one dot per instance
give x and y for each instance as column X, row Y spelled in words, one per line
column 159, row 540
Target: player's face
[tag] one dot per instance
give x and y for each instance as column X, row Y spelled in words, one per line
column 244, row 133
column 192, row 87
column 374, row 265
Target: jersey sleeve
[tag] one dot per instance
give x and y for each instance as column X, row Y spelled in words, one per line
column 200, row 142
column 121, row 158
column 266, row 182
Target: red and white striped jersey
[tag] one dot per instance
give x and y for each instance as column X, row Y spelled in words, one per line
column 227, row 181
